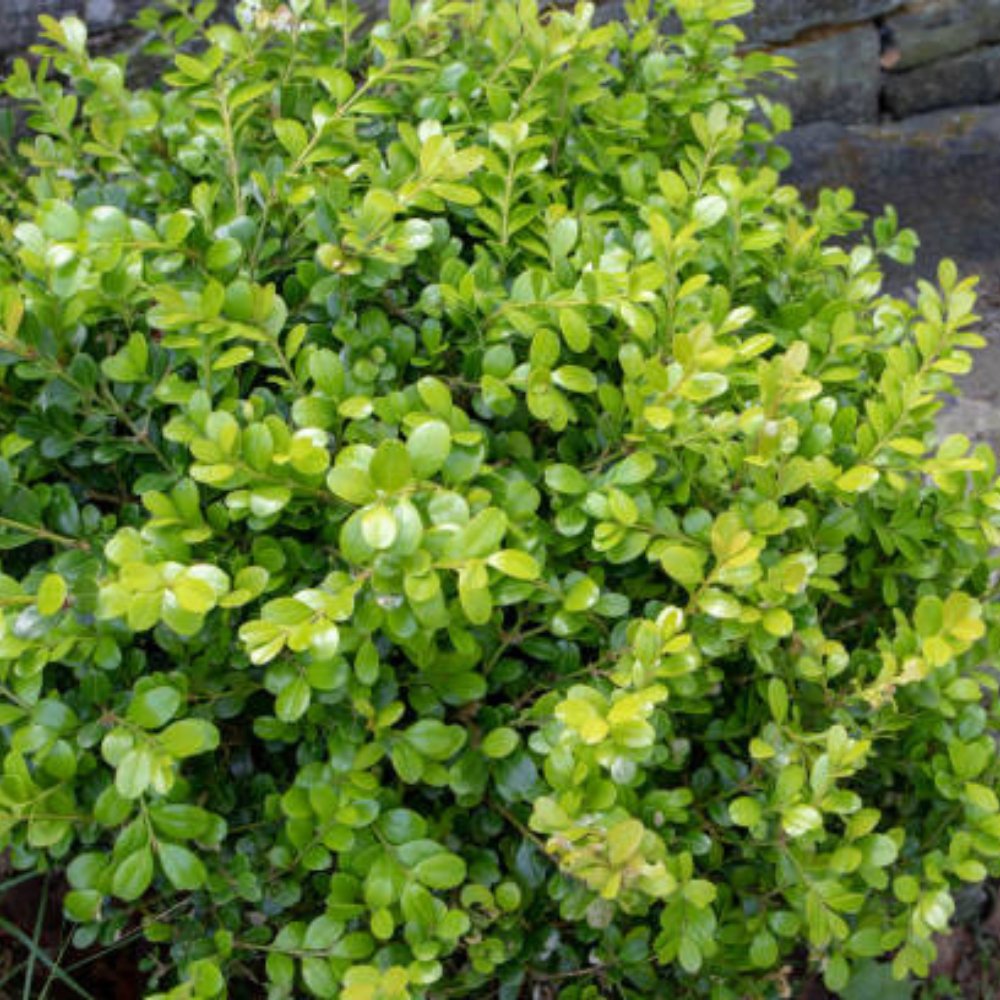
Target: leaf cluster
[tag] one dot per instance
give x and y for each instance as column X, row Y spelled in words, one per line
column 468, row 528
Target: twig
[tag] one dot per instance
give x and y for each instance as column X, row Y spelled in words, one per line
column 43, row 533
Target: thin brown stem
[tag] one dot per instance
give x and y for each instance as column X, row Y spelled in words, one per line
column 43, row 534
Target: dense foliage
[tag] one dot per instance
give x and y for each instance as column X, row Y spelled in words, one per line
column 468, row 529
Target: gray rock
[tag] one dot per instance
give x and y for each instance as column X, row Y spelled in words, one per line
column 839, row 78
column 977, row 419
column 936, row 169
column 776, row 21
column 19, row 21
column 609, row 10
column 972, row 78
column 781, row 20
column 934, row 29
column 19, row 18
column 976, row 411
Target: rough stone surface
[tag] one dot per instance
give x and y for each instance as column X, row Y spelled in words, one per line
column 780, row 20
column 935, row 170
column 19, row 18
column 935, row 29
column 609, row 10
column 838, row 79
column 976, row 413
column 776, row 21
column 972, row 78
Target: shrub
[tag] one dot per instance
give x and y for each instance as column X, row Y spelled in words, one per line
column 469, row 529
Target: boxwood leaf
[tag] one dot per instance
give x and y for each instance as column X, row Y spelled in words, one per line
column 183, row 868
column 441, row 871
column 133, row 875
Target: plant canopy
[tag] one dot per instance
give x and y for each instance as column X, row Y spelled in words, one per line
column 469, row 529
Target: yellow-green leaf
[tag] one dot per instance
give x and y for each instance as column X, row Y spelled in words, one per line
column 515, row 563
column 860, row 479
column 51, row 594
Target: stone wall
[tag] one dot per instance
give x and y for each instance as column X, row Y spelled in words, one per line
column 863, row 59
column 19, row 18
column 860, row 61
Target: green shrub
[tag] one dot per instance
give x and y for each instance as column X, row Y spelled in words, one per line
column 470, row 530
